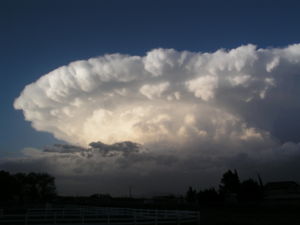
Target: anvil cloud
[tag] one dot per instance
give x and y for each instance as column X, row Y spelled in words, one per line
column 165, row 95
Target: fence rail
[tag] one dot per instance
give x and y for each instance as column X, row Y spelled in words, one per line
column 103, row 216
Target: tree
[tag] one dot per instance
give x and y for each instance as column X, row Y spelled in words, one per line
column 191, row 195
column 208, row 196
column 21, row 186
column 39, row 186
column 36, row 187
column 230, row 183
column 250, row 190
column 7, row 186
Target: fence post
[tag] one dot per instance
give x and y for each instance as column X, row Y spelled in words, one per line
column 26, row 218
column 198, row 218
column 178, row 217
column 82, row 218
column 108, row 217
column 134, row 217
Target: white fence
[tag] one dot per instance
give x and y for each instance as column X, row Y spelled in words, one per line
column 103, row 216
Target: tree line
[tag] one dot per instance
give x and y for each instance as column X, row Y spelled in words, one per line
column 231, row 189
column 30, row 187
column 40, row 188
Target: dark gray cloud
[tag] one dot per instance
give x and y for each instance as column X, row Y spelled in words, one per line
column 124, row 148
column 86, row 171
column 64, row 148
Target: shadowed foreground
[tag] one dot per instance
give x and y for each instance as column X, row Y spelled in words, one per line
column 31, row 199
column 97, row 215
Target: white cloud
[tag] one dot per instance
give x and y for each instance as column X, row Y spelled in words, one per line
column 152, row 91
column 203, row 87
column 116, row 97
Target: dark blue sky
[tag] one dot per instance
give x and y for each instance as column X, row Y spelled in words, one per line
column 39, row 36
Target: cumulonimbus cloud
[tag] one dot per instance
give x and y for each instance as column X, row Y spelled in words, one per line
column 164, row 96
column 193, row 114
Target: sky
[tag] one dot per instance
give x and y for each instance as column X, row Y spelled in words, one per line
column 110, row 94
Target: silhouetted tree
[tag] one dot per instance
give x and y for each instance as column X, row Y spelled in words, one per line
column 208, row 196
column 191, row 195
column 7, row 186
column 230, row 183
column 21, row 186
column 250, row 190
column 38, row 187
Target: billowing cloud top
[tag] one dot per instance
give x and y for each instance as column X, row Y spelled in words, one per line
column 165, row 95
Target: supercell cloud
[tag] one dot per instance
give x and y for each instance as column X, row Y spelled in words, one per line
column 182, row 104
column 164, row 95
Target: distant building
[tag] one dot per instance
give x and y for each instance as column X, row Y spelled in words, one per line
column 282, row 190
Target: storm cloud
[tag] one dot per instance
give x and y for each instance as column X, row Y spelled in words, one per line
column 113, row 168
column 189, row 111
column 165, row 94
